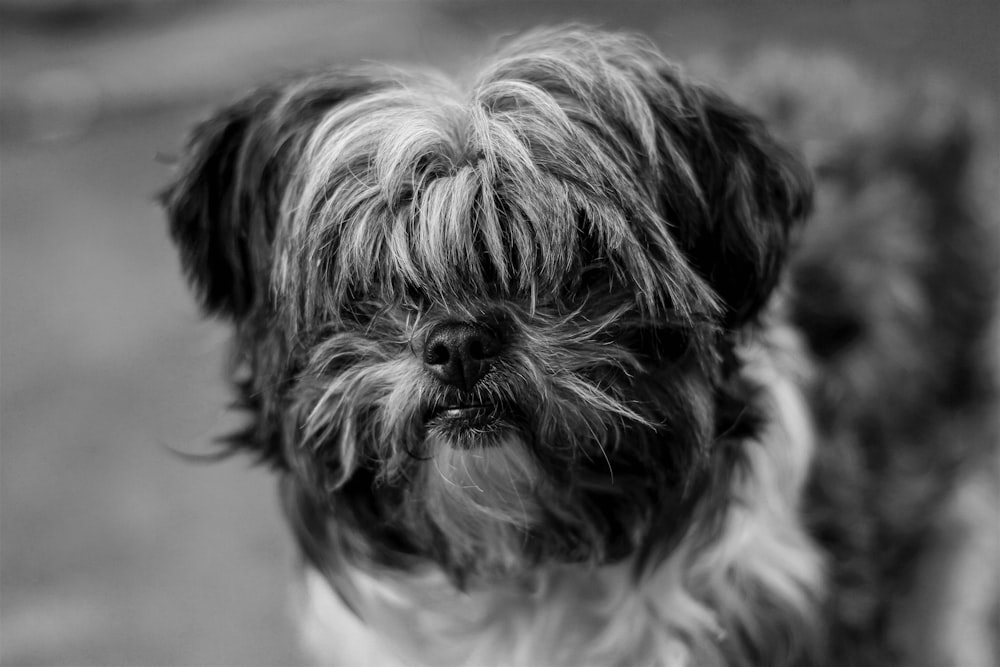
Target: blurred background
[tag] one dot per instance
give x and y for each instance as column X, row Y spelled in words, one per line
column 113, row 550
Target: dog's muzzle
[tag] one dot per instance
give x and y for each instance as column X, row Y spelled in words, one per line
column 459, row 354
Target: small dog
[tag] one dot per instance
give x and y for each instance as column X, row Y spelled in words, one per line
column 553, row 371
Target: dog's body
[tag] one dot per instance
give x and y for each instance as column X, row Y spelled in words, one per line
column 553, row 373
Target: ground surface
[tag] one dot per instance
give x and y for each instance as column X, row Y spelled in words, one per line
column 113, row 550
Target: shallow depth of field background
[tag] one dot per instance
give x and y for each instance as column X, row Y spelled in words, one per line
column 114, row 551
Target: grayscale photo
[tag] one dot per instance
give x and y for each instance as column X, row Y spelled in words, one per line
column 517, row 334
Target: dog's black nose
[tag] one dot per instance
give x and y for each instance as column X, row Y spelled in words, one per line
column 461, row 353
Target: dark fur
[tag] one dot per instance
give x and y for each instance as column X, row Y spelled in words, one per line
column 895, row 285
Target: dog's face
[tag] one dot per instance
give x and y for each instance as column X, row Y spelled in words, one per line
column 490, row 327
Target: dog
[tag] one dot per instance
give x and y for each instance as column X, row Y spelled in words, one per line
column 581, row 363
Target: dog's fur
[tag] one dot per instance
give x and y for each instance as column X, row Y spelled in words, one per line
column 713, row 434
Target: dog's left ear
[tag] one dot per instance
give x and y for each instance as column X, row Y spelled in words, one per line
column 224, row 204
column 220, row 206
column 754, row 191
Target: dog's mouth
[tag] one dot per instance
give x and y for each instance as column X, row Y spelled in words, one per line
column 465, row 417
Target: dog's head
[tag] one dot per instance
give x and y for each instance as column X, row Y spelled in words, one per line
column 490, row 326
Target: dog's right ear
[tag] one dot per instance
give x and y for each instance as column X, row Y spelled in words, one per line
column 224, row 203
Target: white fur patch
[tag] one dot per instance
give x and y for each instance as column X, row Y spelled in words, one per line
column 686, row 613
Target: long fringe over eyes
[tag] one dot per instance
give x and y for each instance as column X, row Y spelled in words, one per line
column 552, row 163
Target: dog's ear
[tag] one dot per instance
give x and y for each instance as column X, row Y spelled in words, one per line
column 224, row 204
column 754, row 191
column 220, row 208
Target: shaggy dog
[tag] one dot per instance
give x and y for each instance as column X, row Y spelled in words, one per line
column 556, row 368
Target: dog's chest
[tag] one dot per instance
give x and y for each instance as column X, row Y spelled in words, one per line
column 570, row 617
column 700, row 606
